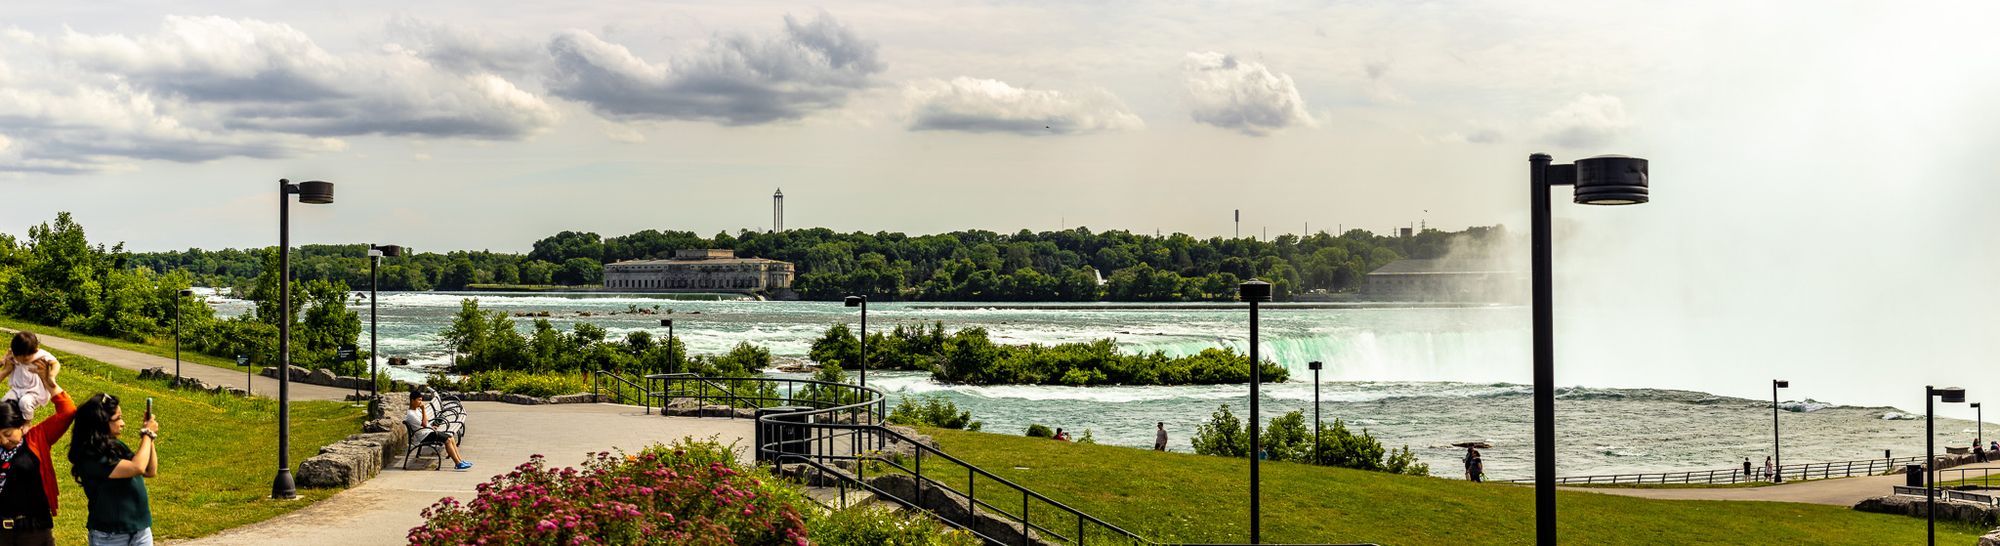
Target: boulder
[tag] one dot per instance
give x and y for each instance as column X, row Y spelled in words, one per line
column 578, row 398
column 155, row 373
column 343, row 464
column 322, row 376
column 522, row 399
column 389, row 443
column 1990, row 539
column 1908, row 505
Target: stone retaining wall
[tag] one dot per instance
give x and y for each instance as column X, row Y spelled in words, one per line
column 1978, row 514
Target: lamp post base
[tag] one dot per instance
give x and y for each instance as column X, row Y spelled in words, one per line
column 282, row 487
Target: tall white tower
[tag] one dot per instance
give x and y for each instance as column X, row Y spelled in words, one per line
column 778, row 211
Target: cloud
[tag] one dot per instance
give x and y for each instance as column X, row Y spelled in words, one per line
column 85, row 129
column 1589, row 120
column 459, row 49
column 992, row 106
column 731, row 80
column 272, row 77
column 1245, row 96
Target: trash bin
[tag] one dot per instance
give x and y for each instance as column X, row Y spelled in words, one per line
column 1913, row 475
column 794, row 435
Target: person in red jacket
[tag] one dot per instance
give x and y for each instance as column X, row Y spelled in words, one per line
column 27, row 473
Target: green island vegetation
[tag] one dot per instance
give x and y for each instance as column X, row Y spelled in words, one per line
column 1289, row 438
column 56, row 281
column 972, row 265
column 212, row 447
column 1178, row 497
column 932, row 411
column 690, row 492
column 969, row 356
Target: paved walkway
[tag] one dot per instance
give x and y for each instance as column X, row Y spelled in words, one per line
column 134, row 360
column 501, row 436
column 1836, row 491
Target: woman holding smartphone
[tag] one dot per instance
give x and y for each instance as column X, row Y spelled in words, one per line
column 27, row 474
column 114, row 474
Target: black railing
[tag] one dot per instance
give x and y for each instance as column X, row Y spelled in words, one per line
column 619, row 390
column 1980, row 477
column 835, row 438
column 1802, row 471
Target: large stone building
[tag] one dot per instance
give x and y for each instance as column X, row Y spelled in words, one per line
column 701, row 270
column 1444, row 280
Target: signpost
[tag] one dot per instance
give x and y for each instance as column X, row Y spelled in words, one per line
column 346, row 353
column 244, row 361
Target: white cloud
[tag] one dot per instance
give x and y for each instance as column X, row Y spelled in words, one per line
column 272, row 77
column 86, row 128
column 461, row 49
column 982, row 105
column 731, row 80
column 1245, row 96
column 1589, row 120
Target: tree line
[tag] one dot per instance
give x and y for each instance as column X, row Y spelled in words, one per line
column 973, row 265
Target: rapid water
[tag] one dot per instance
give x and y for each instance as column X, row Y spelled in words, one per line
column 1425, row 377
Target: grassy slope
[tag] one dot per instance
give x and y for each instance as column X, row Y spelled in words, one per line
column 217, row 451
column 159, row 347
column 1194, row 498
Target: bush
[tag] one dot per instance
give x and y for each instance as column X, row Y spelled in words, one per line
column 874, row 526
column 1036, row 430
column 935, row 411
column 693, row 492
column 544, row 384
column 1287, row 438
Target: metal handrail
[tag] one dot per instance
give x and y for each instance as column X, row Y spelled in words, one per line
column 597, row 381
column 1986, row 477
column 860, row 423
column 1801, row 471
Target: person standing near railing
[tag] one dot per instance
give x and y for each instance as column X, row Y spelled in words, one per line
column 1746, row 469
column 1768, row 475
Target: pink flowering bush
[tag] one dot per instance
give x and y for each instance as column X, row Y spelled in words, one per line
column 692, row 493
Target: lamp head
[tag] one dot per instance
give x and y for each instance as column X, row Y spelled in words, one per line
column 316, row 192
column 1254, row 290
column 1975, row 404
column 186, row 292
column 1611, row 180
column 388, row 250
column 667, row 322
column 855, row 301
column 1782, row 384
column 1314, row 365
column 1950, row 394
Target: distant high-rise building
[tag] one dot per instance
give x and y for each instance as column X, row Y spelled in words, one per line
column 778, row 211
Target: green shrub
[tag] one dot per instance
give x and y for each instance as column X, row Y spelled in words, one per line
column 875, row 525
column 1288, row 438
column 1037, row 430
column 935, row 411
column 970, row 356
column 543, row 384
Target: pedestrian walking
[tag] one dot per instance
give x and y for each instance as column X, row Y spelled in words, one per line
column 1768, row 469
column 113, row 474
column 1478, row 468
column 1160, row 437
column 1471, row 455
column 27, row 473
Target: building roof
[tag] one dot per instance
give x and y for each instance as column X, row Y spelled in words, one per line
column 1419, row 266
column 710, row 261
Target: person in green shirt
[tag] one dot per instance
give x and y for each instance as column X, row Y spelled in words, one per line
column 113, row 474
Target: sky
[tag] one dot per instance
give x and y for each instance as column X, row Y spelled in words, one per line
column 1821, row 170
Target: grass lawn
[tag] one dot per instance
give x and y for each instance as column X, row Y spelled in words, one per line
column 159, row 347
column 1174, row 497
column 217, row 452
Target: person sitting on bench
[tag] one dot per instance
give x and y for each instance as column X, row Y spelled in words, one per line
column 418, row 420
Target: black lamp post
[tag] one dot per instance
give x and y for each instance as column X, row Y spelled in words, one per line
column 1775, row 454
column 317, row 193
column 1315, row 366
column 375, row 255
column 179, row 300
column 862, row 302
column 673, row 362
column 1979, row 424
column 1950, row 395
column 1601, row 180
column 1254, row 292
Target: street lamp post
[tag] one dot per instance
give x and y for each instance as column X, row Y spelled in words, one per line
column 179, row 300
column 1979, row 427
column 1315, row 366
column 1950, row 395
column 673, row 362
column 1775, row 454
column 1254, row 292
column 375, row 255
column 1601, row 180
column 862, row 302
column 317, row 193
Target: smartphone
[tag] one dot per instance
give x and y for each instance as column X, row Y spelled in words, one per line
column 149, row 408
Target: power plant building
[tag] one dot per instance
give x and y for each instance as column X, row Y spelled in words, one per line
column 700, row 270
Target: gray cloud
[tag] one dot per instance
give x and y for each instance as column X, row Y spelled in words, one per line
column 460, row 49
column 732, row 80
column 1245, row 96
column 84, row 129
column 1589, row 120
column 988, row 106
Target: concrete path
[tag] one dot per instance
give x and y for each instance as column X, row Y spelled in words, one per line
column 500, row 437
column 134, row 360
column 1836, row 491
